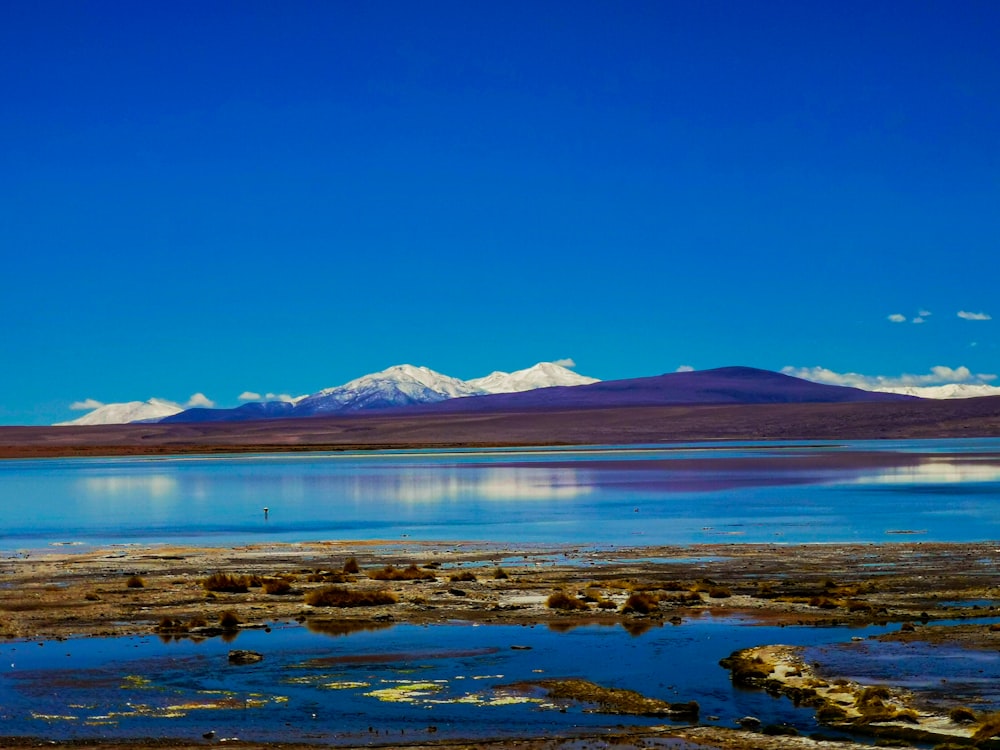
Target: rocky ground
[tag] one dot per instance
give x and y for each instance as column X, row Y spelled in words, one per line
column 182, row 592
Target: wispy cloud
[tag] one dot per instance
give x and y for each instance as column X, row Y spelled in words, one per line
column 88, row 404
column 897, row 318
column 280, row 397
column 249, row 396
column 974, row 316
column 566, row 362
column 925, row 313
column 919, row 319
column 938, row 375
column 200, row 399
column 685, row 368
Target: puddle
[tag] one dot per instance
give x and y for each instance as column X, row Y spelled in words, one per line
column 398, row 681
column 943, row 676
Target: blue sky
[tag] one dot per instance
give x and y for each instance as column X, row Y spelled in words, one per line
column 279, row 197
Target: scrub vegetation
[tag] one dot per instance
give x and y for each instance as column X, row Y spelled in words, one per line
column 338, row 596
column 562, row 600
column 409, row 573
column 227, row 583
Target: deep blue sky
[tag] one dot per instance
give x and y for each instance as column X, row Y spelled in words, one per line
column 220, row 197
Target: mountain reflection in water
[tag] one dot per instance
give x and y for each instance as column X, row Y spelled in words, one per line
column 618, row 495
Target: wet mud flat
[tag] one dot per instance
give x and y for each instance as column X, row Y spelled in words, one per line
column 132, row 590
column 340, row 588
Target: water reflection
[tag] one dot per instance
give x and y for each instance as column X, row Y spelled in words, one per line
column 789, row 493
column 152, row 485
column 936, row 471
column 423, row 486
column 457, row 677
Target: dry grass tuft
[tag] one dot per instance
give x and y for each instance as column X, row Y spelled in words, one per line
column 465, row 575
column 338, row 596
column 562, row 600
column 228, row 620
column 135, row 582
column 990, row 728
column 962, row 715
column 873, row 696
column 830, row 712
column 641, row 602
column 500, row 574
column 276, row 586
column 409, row 573
column 227, row 582
column 351, row 566
column 682, row 597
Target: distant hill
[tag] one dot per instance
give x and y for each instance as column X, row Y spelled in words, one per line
column 725, row 385
column 546, row 385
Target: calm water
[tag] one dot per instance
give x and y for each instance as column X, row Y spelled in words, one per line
column 404, row 679
column 399, row 680
column 817, row 492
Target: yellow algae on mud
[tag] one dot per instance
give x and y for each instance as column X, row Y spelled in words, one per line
column 53, row 717
column 477, row 699
column 405, row 692
column 344, row 685
column 136, row 682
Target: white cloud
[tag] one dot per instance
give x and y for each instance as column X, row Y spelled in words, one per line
column 249, row 396
column 897, row 318
column 685, row 368
column 925, row 313
column 566, row 362
column 200, row 399
column 918, row 319
column 939, row 375
column 279, row 397
column 974, row 316
column 86, row 405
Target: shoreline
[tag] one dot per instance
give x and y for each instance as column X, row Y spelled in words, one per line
column 60, row 595
column 633, row 425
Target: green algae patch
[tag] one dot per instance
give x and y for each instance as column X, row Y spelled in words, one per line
column 407, row 692
column 136, row 682
column 501, row 699
column 344, row 685
column 53, row 717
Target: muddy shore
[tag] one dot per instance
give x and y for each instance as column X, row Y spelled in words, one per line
column 921, row 418
column 167, row 590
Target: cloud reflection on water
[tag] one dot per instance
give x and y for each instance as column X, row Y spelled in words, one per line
column 935, row 471
column 153, row 485
column 490, row 484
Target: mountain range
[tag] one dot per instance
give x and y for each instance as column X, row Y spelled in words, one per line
column 398, row 386
column 420, row 390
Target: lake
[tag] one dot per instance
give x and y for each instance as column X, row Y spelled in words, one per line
column 388, row 682
column 606, row 495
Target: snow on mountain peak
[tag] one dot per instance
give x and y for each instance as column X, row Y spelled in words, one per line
column 949, row 390
column 542, row 375
column 129, row 411
column 399, row 385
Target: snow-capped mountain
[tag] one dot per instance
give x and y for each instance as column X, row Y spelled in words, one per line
column 542, row 375
column 951, row 390
column 129, row 411
column 400, row 385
